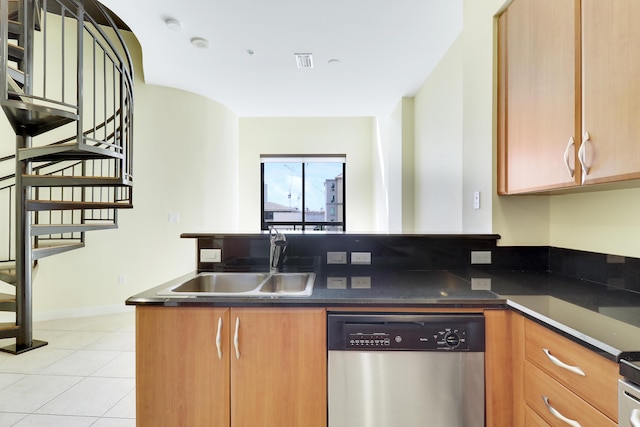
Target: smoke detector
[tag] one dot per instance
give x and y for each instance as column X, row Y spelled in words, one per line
column 304, row 60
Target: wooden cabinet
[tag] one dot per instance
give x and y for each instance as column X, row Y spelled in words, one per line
column 564, row 379
column 611, row 89
column 541, row 371
column 230, row 366
column 180, row 378
column 538, row 95
column 567, row 70
column 278, row 376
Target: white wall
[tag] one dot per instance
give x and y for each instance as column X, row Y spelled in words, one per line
column 308, row 135
column 438, row 147
column 477, row 113
column 380, row 173
column 394, row 161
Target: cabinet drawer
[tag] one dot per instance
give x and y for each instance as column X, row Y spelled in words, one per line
column 539, row 386
column 532, row 419
column 598, row 385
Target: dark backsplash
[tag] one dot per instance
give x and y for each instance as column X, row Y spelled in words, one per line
column 431, row 252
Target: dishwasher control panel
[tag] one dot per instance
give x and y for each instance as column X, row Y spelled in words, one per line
column 406, row 332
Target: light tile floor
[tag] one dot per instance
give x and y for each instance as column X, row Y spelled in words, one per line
column 84, row 377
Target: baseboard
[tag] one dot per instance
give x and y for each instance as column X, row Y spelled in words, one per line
column 72, row 313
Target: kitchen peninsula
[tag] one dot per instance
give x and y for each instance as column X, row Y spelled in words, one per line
column 523, row 288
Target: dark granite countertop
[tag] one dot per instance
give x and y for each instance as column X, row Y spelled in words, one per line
column 604, row 319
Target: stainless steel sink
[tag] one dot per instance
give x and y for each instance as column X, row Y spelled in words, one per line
column 244, row 284
column 289, row 284
column 235, row 283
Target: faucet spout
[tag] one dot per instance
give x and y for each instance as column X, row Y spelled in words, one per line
column 278, row 242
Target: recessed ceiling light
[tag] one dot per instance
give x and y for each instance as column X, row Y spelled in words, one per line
column 173, row 24
column 333, row 61
column 200, row 43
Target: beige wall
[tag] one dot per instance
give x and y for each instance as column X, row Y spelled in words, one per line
column 308, row 135
column 604, row 221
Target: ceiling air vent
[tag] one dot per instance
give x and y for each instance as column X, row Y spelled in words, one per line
column 304, row 60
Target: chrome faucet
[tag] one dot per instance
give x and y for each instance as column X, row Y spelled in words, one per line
column 276, row 252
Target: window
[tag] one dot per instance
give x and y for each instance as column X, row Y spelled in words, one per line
column 303, row 193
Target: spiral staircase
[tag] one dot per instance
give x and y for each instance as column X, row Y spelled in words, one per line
column 68, row 96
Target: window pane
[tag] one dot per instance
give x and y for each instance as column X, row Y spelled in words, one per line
column 323, row 192
column 283, row 192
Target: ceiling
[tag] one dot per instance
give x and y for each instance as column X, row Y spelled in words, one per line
column 384, row 49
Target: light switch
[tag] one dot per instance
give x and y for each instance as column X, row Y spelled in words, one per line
column 210, row 255
column 336, row 257
column 336, row 283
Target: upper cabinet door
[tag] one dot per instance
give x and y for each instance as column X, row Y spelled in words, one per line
column 538, row 126
column 611, row 89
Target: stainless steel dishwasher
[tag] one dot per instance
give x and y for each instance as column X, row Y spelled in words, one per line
column 629, row 394
column 387, row 370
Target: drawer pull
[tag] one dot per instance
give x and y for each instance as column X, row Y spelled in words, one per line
column 235, row 338
column 571, row 143
column 219, row 338
column 582, row 156
column 558, row 415
column 561, row 364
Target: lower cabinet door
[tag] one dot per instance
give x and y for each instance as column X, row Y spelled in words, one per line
column 278, row 367
column 182, row 366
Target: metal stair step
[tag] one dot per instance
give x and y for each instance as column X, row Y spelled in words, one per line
column 8, row 273
column 16, row 75
column 46, row 229
column 7, row 302
column 72, row 181
column 45, row 251
column 8, row 330
column 67, row 151
column 61, row 205
column 33, row 118
column 14, row 28
column 16, row 53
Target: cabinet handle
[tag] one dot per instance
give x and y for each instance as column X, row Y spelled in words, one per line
column 582, row 156
column 219, row 339
column 634, row 419
column 235, row 338
column 561, row 364
column 558, row 415
column 566, row 157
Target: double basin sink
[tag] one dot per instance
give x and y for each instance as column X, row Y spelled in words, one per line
column 251, row 284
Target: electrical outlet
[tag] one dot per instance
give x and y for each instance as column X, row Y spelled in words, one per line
column 336, row 283
column 210, row 255
column 362, row 258
column 122, row 279
column 361, row 282
column 336, row 257
column 480, row 257
column 480, row 284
